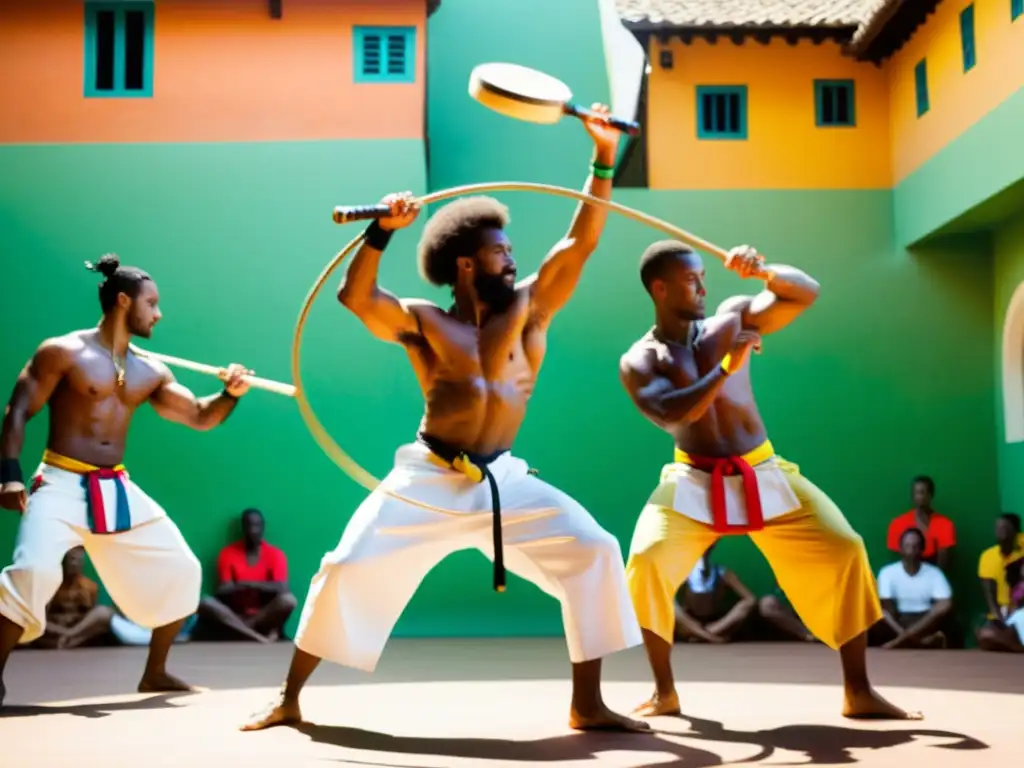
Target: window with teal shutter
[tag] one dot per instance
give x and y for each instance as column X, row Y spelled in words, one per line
column 833, row 104
column 722, row 112
column 385, row 54
column 921, row 87
column 967, row 37
column 118, row 50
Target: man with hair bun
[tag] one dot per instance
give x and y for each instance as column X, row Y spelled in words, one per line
column 81, row 495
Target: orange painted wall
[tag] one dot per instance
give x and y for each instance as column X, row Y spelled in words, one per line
column 784, row 148
column 958, row 99
column 223, row 71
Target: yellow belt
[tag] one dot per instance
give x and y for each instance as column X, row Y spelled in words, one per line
column 54, row 459
column 759, row 455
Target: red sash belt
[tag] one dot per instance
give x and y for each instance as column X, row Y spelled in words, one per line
column 730, row 466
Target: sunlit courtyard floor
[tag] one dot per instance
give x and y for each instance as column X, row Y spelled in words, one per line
column 496, row 703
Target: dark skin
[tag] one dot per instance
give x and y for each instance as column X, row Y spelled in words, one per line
column 265, row 625
column 690, row 616
column 477, row 367
column 924, row 633
column 783, row 618
column 683, row 389
column 921, row 496
column 76, row 377
column 995, row 635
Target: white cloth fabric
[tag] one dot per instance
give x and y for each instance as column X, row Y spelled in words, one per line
column 149, row 571
column 1016, row 622
column 913, row 594
column 389, row 546
column 692, row 496
column 704, row 581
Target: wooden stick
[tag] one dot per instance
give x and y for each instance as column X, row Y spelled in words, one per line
column 253, row 381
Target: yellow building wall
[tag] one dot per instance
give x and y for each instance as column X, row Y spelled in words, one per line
column 784, row 149
column 958, row 99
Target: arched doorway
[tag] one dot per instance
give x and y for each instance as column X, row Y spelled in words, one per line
column 1013, row 368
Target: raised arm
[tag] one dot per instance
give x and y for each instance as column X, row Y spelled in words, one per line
column 667, row 405
column 386, row 316
column 555, row 281
column 175, row 402
column 785, row 296
column 32, row 391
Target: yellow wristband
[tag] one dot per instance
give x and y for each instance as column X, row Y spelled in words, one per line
column 726, row 362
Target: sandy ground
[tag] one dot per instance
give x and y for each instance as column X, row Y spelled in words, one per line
column 455, row 703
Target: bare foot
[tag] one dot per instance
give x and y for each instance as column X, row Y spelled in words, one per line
column 282, row 712
column 869, row 705
column 161, row 682
column 659, row 704
column 603, row 719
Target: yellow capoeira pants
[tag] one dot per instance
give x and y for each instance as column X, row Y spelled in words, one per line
column 818, row 559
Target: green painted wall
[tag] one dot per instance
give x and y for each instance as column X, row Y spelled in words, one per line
column 859, row 392
column 235, row 236
column 850, row 392
column 1008, row 244
column 981, row 162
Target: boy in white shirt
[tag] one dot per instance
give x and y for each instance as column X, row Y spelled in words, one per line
column 916, row 597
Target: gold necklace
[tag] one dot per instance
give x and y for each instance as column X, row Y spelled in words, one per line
column 119, row 368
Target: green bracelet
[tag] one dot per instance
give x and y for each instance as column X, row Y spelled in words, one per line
column 602, row 171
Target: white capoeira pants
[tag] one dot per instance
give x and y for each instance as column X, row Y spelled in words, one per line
column 149, row 570
column 389, row 546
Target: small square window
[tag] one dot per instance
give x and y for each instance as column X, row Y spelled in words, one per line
column 722, row 112
column 385, row 54
column 834, row 103
column 118, row 50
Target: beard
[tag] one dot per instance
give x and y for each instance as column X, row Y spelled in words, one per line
column 137, row 328
column 691, row 314
column 494, row 291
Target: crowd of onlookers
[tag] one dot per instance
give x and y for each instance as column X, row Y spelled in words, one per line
column 918, row 608
column 253, row 601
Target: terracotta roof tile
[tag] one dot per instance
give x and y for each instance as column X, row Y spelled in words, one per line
column 750, row 13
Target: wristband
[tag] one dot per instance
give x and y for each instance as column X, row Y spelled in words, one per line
column 225, row 393
column 10, row 472
column 376, row 236
column 602, row 171
column 726, row 362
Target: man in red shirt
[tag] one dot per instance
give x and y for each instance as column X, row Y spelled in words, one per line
column 939, row 531
column 252, row 599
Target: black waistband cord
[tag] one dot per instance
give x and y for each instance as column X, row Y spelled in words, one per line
column 475, row 466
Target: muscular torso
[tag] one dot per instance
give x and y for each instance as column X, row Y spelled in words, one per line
column 732, row 425
column 476, row 382
column 89, row 412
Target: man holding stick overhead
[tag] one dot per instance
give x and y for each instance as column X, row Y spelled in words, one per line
column 477, row 363
column 81, row 494
column 689, row 376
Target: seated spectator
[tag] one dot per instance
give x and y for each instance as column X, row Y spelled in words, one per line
column 252, row 599
column 703, row 613
column 916, row 598
column 999, row 569
column 73, row 617
column 939, row 531
column 780, row 618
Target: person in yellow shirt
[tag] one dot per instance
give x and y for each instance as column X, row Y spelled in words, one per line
column 1000, row 570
